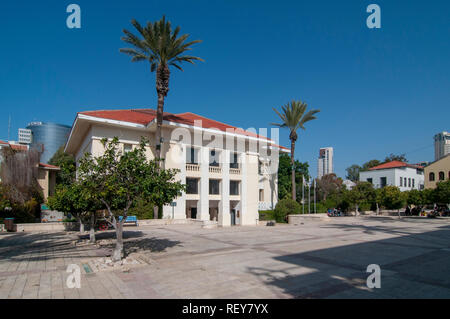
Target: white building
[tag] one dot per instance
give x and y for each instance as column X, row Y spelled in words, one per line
column 230, row 173
column 25, row 136
column 349, row 184
column 325, row 162
column 403, row 175
column 441, row 145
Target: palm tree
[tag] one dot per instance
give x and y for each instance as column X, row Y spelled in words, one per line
column 162, row 47
column 293, row 117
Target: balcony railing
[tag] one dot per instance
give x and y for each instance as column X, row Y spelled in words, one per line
column 192, row 167
column 215, row 169
column 235, row 171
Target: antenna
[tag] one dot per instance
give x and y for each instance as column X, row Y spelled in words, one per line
column 9, row 128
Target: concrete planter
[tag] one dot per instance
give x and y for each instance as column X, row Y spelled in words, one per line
column 300, row 218
column 47, row 227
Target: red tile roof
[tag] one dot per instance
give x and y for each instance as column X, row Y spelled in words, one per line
column 18, row 147
column 145, row 116
column 394, row 164
column 4, row 143
column 48, row 166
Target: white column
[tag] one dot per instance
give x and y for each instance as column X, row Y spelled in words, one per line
column 203, row 212
column 180, row 210
column 224, row 205
column 244, row 191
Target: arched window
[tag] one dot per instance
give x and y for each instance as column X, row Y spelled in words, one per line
column 441, row 176
column 431, row 177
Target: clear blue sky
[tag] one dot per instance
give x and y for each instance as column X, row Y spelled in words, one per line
column 379, row 91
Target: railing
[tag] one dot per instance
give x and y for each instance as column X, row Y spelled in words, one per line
column 192, row 167
column 265, row 206
column 214, row 169
column 235, row 171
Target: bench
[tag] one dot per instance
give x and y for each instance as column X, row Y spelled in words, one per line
column 130, row 220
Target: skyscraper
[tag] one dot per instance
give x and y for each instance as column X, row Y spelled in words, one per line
column 48, row 137
column 441, row 145
column 325, row 162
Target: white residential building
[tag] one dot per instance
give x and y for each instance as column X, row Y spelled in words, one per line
column 325, row 162
column 230, row 173
column 441, row 145
column 403, row 175
column 25, row 136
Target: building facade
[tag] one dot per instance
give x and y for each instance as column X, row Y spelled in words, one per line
column 325, row 162
column 48, row 138
column 437, row 171
column 403, row 175
column 230, row 173
column 441, row 145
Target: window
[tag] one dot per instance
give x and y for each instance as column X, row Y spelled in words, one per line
column 127, row 148
column 431, row 177
column 214, row 187
column 413, row 183
column 214, row 158
column 261, row 195
column 260, row 167
column 383, row 181
column 401, row 181
column 405, row 181
column 191, row 155
column 409, row 182
column 234, row 160
column 441, row 176
column 192, row 185
column 370, row 180
column 234, row 187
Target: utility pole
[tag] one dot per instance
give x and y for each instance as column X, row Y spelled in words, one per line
column 303, row 194
column 314, row 181
column 9, row 128
column 309, row 197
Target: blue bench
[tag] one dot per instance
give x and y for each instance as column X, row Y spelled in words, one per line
column 130, row 220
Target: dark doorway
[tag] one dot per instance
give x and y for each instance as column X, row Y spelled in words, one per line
column 194, row 212
column 233, row 217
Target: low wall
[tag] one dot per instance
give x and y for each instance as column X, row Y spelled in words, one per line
column 47, row 227
column 160, row 222
column 299, row 218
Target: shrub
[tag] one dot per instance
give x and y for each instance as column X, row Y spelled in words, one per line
column 266, row 215
column 284, row 208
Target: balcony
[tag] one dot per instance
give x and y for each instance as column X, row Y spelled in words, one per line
column 235, row 171
column 215, row 169
column 192, row 168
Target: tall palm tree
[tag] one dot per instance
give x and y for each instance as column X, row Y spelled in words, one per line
column 293, row 117
column 158, row 44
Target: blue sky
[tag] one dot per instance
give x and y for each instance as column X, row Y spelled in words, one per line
column 380, row 91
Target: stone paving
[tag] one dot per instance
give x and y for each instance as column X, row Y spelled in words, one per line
column 311, row 260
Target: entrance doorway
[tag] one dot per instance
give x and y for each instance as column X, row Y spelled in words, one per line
column 233, row 217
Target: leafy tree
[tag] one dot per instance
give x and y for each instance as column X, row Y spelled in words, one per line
column 284, row 175
column 428, row 196
column 66, row 163
column 327, row 185
column 119, row 180
column 353, row 172
column 368, row 165
column 414, row 197
column 162, row 47
column 293, row 117
column 442, row 192
column 391, row 197
column 393, row 157
column 362, row 193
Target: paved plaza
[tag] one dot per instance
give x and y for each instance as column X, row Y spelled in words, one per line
column 316, row 259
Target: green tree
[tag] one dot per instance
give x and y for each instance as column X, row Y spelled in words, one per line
column 414, row 197
column 119, row 180
column 392, row 198
column 284, row 175
column 162, row 47
column 327, row 185
column 293, row 117
column 368, row 165
column 442, row 192
column 362, row 193
column 66, row 163
column 392, row 157
column 77, row 200
column 353, row 172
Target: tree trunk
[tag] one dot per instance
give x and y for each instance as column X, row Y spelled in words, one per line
column 81, row 226
column 118, row 250
column 155, row 212
column 294, row 191
column 92, row 230
column 356, row 209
